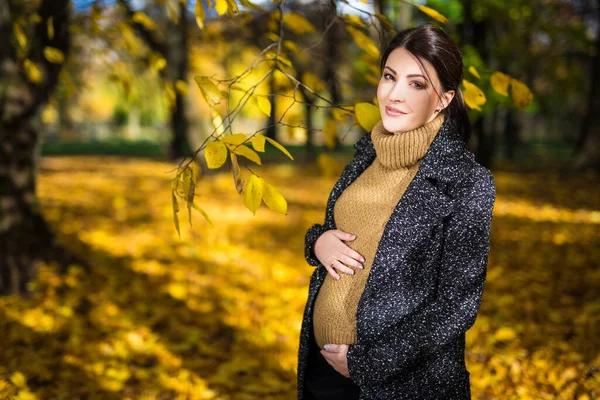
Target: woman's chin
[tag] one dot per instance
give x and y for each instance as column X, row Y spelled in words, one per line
column 393, row 126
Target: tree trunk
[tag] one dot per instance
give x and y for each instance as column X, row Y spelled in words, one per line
column 309, row 150
column 474, row 33
column 178, row 65
column 25, row 237
column 588, row 145
column 512, row 128
column 332, row 47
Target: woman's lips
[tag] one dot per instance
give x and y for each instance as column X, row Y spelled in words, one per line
column 393, row 112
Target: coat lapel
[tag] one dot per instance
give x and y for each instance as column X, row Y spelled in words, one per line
column 427, row 200
column 445, row 162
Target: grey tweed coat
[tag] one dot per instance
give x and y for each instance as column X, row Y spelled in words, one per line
column 426, row 282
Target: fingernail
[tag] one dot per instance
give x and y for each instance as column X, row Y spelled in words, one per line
column 361, row 267
column 337, row 279
column 326, row 347
column 353, row 236
column 351, row 272
column 362, row 260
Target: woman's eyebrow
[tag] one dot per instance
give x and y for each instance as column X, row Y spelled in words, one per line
column 415, row 75
column 408, row 76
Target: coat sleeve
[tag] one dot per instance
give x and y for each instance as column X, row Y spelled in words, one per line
column 362, row 149
column 462, row 273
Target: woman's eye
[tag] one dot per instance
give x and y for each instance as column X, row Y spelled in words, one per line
column 418, row 85
column 385, row 76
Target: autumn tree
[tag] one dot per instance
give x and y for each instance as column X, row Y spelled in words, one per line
column 36, row 40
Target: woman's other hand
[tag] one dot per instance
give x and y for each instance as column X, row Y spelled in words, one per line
column 334, row 254
column 335, row 355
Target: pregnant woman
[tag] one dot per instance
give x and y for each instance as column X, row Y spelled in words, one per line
column 402, row 254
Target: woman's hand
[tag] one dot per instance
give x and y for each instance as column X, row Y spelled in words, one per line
column 335, row 355
column 333, row 253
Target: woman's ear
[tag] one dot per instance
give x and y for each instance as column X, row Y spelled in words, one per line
column 447, row 99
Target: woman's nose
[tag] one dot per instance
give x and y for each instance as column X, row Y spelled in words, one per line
column 396, row 94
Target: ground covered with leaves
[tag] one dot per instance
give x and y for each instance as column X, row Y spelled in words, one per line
column 217, row 313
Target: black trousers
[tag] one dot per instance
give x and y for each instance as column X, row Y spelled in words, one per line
column 323, row 382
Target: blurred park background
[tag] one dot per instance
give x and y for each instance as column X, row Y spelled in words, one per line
column 103, row 105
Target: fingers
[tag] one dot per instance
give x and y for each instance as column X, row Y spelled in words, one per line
column 332, row 272
column 341, row 267
column 334, row 348
column 350, row 262
column 343, row 235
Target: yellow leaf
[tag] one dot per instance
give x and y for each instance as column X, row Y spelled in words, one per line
column 330, row 132
column 292, row 47
column 367, row 114
column 201, row 211
column 32, row 72
column 520, row 93
column 19, row 380
column 280, row 58
column 340, row 115
column 272, row 36
column 474, row 97
column 157, row 61
column 298, row 24
column 211, row 93
column 35, row 18
column 500, row 82
column 253, row 193
column 505, row 334
column 50, row 27
column 143, row 19
column 20, row 35
column 273, row 199
column 190, row 192
column 236, row 139
column 170, row 95
column 258, row 142
column 221, row 7
column 54, row 55
column 313, row 81
column 363, row 41
column 355, row 19
column 474, row 72
column 373, row 80
column 175, row 206
column 264, row 104
column 247, row 152
column 215, row 154
column 199, row 14
column 181, row 87
column 236, row 173
column 385, row 21
column 280, row 147
column 217, row 122
column 433, row 14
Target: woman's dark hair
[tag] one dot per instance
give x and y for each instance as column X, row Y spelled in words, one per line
column 428, row 42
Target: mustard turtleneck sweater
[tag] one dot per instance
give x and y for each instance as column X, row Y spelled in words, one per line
column 364, row 208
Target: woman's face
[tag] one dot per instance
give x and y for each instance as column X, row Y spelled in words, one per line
column 407, row 99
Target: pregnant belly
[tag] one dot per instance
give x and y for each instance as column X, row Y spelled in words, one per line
column 334, row 312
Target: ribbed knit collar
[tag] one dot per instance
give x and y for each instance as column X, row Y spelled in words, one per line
column 401, row 150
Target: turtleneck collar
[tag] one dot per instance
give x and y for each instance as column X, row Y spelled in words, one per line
column 401, row 150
